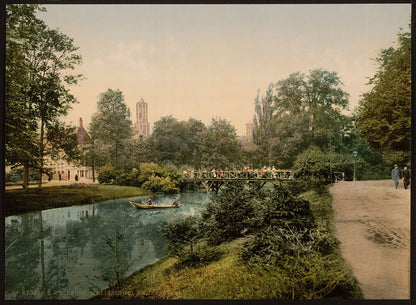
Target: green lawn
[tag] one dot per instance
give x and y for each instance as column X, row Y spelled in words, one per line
column 33, row 199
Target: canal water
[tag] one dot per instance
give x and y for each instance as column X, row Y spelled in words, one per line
column 75, row 252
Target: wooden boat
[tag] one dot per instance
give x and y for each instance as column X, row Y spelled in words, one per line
column 146, row 206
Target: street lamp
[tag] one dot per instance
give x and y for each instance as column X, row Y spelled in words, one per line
column 354, row 154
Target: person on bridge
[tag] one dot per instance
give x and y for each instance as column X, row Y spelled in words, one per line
column 406, row 177
column 395, row 175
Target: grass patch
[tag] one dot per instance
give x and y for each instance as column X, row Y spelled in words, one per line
column 227, row 278
column 34, row 199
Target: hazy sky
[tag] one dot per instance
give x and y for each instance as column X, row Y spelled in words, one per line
column 206, row 61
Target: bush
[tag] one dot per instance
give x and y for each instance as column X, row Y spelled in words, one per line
column 181, row 234
column 202, row 254
column 16, row 175
column 230, row 216
column 158, row 184
column 107, row 174
column 284, row 222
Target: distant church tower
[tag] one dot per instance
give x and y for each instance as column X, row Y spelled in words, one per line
column 249, row 132
column 141, row 127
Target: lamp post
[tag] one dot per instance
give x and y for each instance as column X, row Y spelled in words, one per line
column 354, row 154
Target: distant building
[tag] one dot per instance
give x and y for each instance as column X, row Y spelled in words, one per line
column 141, row 126
column 82, row 135
column 247, row 141
column 61, row 169
column 249, row 132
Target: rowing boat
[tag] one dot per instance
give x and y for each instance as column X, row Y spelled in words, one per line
column 146, row 206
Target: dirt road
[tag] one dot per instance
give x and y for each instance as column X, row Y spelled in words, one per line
column 373, row 224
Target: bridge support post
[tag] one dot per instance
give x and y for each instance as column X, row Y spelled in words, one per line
column 213, row 186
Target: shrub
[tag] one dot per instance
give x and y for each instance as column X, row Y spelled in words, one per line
column 230, row 216
column 107, row 174
column 201, row 255
column 181, row 234
column 158, row 184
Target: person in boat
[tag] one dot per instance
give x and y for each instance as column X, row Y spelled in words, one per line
column 175, row 202
column 149, row 201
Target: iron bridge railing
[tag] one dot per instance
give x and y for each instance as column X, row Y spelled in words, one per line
column 238, row 175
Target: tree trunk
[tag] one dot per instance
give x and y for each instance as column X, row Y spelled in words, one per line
column 93, row 162
column 25, row 183
column 330, row 157
column 41, row 148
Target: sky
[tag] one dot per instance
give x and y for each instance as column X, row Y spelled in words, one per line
column 208, row 61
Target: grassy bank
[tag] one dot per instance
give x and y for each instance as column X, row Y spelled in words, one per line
column 34, row 199
column 314, row 276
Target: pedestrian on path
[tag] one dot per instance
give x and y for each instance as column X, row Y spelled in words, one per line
column 406, row 177
column 395, row 175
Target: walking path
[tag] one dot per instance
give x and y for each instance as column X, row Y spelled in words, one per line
column 372, row 221
column 51, row 183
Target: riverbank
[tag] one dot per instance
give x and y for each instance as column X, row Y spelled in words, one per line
column 226, row 276
column 34, row 199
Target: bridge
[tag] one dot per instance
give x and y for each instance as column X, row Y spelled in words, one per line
column 213, row 180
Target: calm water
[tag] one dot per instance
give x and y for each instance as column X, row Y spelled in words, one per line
column 70, row 253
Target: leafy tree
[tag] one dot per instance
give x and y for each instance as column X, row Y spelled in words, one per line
column 176, row 141
column 264, row 124
column 20, row 123
column 111, row 128
column 383, row 116
column 220, row 146
column 299, row 111
column 61, row 142
column 168, row 141
column 46, row 57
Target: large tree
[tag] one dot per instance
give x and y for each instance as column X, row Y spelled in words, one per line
column 299, row 111
column 220, row 147
column 39, row 61
column 20, row 124
column 111, row 129
column 383, row 116
column 176, row 141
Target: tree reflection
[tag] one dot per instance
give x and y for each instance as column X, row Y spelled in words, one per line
column 21, row 258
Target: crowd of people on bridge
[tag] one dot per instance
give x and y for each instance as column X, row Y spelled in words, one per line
column 269, row 172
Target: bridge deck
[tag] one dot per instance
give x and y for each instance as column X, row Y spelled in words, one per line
column 192, row 176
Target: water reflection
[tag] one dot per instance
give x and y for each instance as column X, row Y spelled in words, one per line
column 68, row 253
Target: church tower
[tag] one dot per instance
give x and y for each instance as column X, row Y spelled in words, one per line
column 249, row 132
column 141, row 127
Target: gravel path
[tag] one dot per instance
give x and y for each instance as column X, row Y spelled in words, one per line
column 373, row 224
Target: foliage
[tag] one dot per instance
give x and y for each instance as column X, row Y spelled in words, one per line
column 159, row 184
column 181, row 235
column 229, row 216
column 111, row 129
column 312, row 166
column 20, row 123
column 150, row 176
column 297, row 112
column 175, row 141
column 107, row 174
column 38, row 72
column 383, row 116
column 16, row 175
column 220, row 146
column 283, row 224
